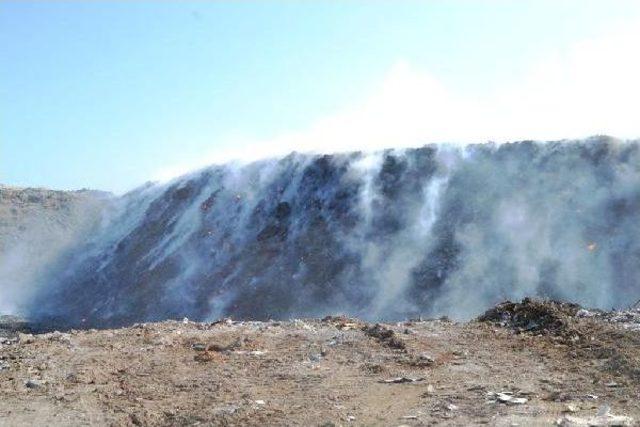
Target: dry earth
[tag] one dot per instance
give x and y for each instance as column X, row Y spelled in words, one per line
column 560, row 364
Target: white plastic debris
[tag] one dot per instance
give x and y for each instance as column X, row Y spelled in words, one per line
column 507, row 397
column 584, row 313
column 400, row 380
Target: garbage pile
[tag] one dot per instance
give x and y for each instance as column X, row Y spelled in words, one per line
column 627, row 319
column 531, row 315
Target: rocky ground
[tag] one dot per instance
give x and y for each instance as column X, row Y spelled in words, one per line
column 531, row 363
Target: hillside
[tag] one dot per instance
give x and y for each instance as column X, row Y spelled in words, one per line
column 431, row 231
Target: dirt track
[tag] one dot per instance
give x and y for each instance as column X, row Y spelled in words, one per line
column 314, row 372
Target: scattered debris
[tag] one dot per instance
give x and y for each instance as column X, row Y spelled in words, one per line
column 260, row 374
column 400, row 380
column 343, row 323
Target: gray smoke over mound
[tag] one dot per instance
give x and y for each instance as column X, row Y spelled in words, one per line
column 429, row 231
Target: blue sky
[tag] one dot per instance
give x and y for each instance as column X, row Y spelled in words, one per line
column 109, row 95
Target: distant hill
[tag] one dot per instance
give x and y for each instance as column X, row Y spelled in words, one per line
column 36, row 226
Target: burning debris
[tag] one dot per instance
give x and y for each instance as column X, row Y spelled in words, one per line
column 384, row 335
column 530, row 315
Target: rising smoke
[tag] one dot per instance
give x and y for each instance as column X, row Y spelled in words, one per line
column 432, row 231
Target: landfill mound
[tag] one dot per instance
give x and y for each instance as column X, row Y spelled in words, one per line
column 430, row 231
column 337, row 371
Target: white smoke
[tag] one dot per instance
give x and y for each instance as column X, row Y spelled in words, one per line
column 590, row 88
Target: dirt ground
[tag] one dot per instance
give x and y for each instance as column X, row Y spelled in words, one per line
column 525, row 364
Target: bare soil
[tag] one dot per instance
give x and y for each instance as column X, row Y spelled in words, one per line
column 330, row 372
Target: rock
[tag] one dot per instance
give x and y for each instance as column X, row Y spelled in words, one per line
column 33, row 384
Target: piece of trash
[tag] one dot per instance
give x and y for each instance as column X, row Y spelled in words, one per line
column 584, row 313
column 508, row 398
column 426, row 358
column 400, row 380
column 351, row 418
column 315, row 357
column 199, row 347
column 570, row 408
column 591, row 396
column 409, row 417
column 612, row 384
column 185, row 320
column 25, row 338
column 260, row 402
column 451, row 407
